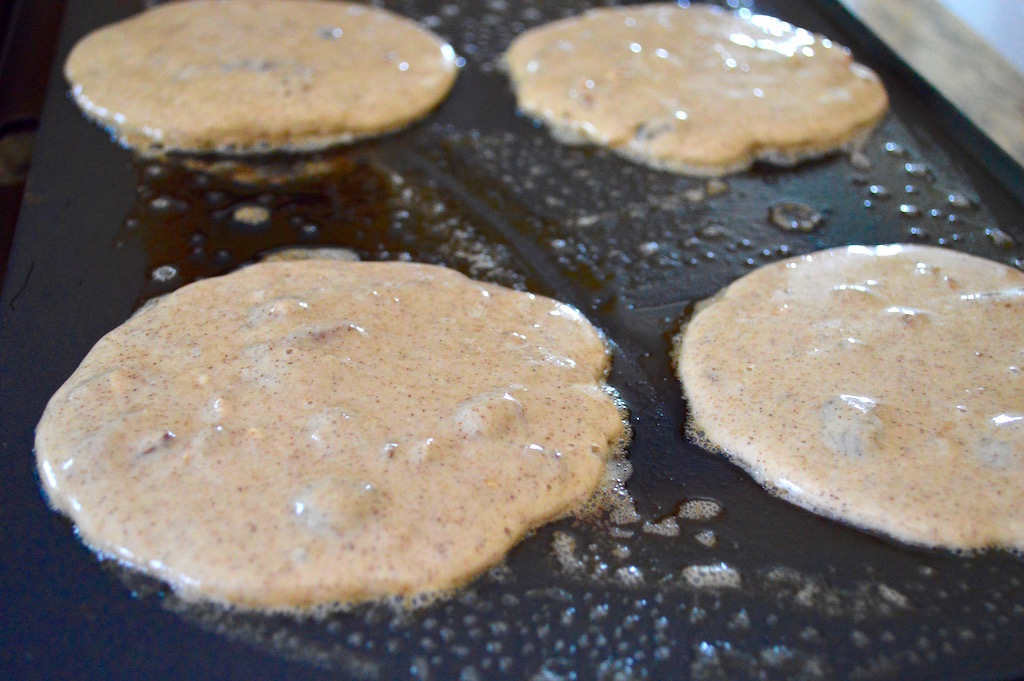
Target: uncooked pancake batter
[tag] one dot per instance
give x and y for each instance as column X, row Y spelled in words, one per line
column 299, row 433
column 882, row 386
column 696, row 90
column 258, row 75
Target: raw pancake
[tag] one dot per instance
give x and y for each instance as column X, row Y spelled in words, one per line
column 695, row 90
column 882, row 386
column 298, row 433
column 258, row 75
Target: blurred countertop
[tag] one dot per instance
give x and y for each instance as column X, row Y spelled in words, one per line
column 968, row 50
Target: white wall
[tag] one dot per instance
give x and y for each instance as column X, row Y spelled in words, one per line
column 1000, row 22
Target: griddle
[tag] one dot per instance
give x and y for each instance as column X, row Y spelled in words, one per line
column 478, row 188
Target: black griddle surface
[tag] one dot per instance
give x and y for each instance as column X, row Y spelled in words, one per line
column 480, row 189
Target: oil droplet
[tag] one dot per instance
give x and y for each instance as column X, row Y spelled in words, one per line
column 860, row 161
column 154, row 172
column 716, row 187
column 629, row 576
column 916, row 169
column 715, row 576
column 165, row 273
column 1000, row 238
column 740, row 620
column 706, row 537
column 699, row 509
column 251, row 217
column 166, row 204
column 694, row 195
column 895, row 149
column 794, row 217
column 711, row 232
column 958, row 200
column 666, row 527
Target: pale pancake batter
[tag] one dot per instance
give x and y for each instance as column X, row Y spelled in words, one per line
column 695, row 90
column 300, row 433
column 258, row 75
column 882, row 386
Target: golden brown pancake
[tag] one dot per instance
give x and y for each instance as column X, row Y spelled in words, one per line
column 694, row 90
column 310, row 432
column 881, row 386
column 258, row 75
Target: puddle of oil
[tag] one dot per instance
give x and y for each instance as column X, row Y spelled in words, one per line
column 200, row 220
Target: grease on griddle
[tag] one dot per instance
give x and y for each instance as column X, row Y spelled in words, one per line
column 794, row 216
column 1001, row 239
column 202, row 219
column 666, row 527
column 706, row 537
column 910, row 210
column 251, row 218
column 712, row 576
column 605, row 221
column 649, row 622
column 699, row 509
column 610, row 224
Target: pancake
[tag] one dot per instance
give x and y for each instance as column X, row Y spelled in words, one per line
column 694, row 90
column 304, row 433
column 258, row 75
column 881, row 386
